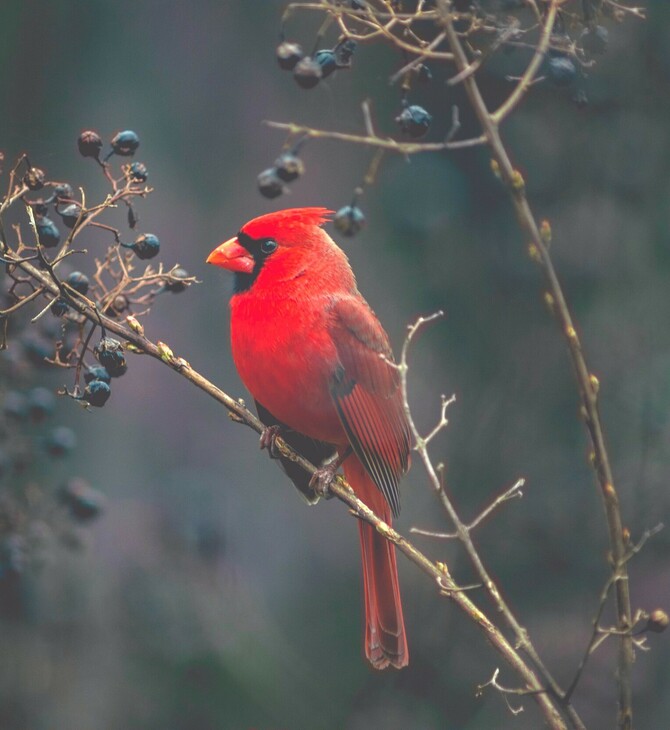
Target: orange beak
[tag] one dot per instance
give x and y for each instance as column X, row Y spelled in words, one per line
column 230, row 255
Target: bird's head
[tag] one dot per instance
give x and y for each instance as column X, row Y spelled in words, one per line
column 283, row 244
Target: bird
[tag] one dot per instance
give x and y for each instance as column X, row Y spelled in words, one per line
column 318, row 363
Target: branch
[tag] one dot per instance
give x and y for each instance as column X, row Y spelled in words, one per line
column 586, row 384
column 463, row 531
column 438, row 572
column 403, row 148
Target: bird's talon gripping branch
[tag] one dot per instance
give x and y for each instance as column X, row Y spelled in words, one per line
column 322, row 479
column 268, row 440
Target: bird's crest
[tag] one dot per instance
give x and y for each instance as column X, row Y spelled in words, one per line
column 299, row 220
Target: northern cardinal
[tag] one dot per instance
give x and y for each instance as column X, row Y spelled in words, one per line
column 318, row 364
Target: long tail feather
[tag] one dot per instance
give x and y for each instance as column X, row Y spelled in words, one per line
column 385, row 639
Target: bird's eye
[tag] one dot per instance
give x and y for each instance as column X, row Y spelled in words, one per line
column 268, row 246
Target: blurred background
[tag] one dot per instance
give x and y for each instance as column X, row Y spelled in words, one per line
column 207, row 595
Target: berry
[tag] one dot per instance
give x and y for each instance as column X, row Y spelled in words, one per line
column 36, row 349
column 658, row 621
column 78, row 281
column 110, row 356
column 138, row 172
column 343, row 53
column 328, row 62
column 40, row 208
column 15, row 405
column 269, row 184
column 89, row 144
column 146, row 246
column 34, row 178
column 289, row 167
column 561, row 70
column 349, row 220
column 70, row 215
column 41, row 404
column 96, row 372
column 60, row 442
column 83, row 502
column 59, row 307
column 47, row 233
column 125, row 143
column 288, row 55
column 97, row 393
column 595, row 40
column 357, row 4
column 176, row 283
column 12, row 556
column 64, row 190
column 307, row 73
column 118, row 305
column 414, row 121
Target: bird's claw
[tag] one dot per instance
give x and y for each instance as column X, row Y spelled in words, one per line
column 322, row 479
column 268, row 440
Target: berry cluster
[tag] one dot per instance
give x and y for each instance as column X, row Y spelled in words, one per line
column 416, row 31
column 308, row 71
column 112, row 287
column 36, row 506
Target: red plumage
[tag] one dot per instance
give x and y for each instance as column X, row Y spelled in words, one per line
column 316, row 360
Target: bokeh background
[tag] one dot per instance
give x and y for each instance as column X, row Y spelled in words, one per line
column 209, row 596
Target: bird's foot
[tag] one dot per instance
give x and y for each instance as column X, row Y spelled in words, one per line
column 268, row 440
column 323, row 478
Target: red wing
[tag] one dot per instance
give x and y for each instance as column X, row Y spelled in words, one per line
column 366, row 393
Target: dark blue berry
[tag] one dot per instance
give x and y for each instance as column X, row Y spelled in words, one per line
column 60, row 442
column 146, row 246
column 288, row 55
column 328, row 62
column 40, row 208
column 307, row 73
column 36, row 349
column 64, row 191
column 269, row 184
column 110, row 356
column 414, row 121
column 12, row 556
column 83, row 502
column 97, row 393
column 117, row 306
column 125, row 143
column 47, row 233
column 97, row 372
column 15, row 405
column 561, row 70
column 344, row 52
column 349, row 220
column 78, row 281
column 70, row 215
column 595, row 40
column 41, row 404
column 176, row 283
column 89, row 143
column 138, row 172
column 289, row 167
column 59, row 307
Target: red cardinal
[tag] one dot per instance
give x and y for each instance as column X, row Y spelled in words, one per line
column 316, row 360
